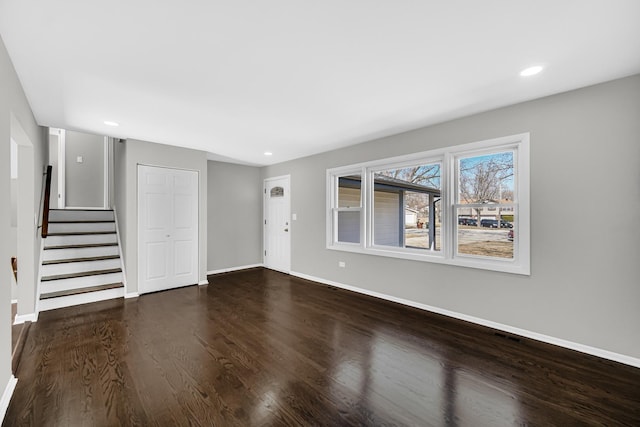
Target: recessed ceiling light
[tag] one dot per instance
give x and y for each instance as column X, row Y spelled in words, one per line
column 268, row 153
column 531, row 71
column 108, row 123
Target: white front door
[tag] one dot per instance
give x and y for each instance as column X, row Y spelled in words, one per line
column 277, row 224
column 167, row 228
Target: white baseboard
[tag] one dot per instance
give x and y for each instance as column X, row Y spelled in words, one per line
column 594, row 351
column 6, row 396
column 227, row 270
column 21, row 318
column 203, row 282
column 131, row 295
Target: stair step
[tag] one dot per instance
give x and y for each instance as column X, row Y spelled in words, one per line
column 82, row 227
column 75, row 267
column 68, row 260
column 75, row 252
column 80, row 233
column 88, row 221
column 81, row 274
column 81, row 298
column 80, row 215
column 80, row 290
column 89, row 245
column 80, row 239
column 79, row 282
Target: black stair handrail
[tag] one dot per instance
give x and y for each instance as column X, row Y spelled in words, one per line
column 45, row 208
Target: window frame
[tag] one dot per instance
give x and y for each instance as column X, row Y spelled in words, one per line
column 332, row 219
column 448, row 158
column 370, row 202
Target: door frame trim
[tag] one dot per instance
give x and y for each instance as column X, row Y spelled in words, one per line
column 264, row 218
column 107, row 174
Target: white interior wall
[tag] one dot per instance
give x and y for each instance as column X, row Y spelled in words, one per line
column 128, row 157
column 234, row 216
column 14, row 108
column 583, row 288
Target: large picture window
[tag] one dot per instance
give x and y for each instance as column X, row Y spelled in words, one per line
column 465, row 205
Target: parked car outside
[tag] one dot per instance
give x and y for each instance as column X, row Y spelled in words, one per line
column 493, row 223
column 467, row 221
column 489, row 223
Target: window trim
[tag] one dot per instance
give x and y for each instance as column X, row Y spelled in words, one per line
column 448, row 158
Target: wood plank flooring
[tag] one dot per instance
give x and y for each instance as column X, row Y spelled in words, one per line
column 260, row 348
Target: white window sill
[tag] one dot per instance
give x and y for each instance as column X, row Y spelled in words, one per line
column 483, row 263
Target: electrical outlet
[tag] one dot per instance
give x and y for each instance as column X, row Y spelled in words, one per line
column 342, row 264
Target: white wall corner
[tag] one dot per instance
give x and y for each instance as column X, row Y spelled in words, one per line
column 131, row 295
column 203, row 282
column 6, row 396
column 594, row 351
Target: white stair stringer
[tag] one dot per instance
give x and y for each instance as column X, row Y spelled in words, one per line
column 80, row 259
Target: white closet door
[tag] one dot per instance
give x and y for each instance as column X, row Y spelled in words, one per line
column 167, row 228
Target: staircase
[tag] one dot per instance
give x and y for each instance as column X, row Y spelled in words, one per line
column 81, row 259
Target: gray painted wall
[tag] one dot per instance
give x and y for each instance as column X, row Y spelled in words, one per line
column 234, row 216
column 585, row 202
column 13, row 103
column 53, row 161
column 12, row 238
column 84, row 182
column 128, row 155
column 120, row 191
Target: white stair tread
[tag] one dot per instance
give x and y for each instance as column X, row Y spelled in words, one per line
column 79, row 252
column 88, row 227
column 80, row 239
column 80, row 215
column 77, row 291
column 69, row 260
column 84, row 298
column 79, row 282
column 48, row 270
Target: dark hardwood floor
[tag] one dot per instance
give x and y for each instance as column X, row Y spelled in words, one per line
column 260, row 348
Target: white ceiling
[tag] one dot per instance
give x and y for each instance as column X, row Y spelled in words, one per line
column 237, row 78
